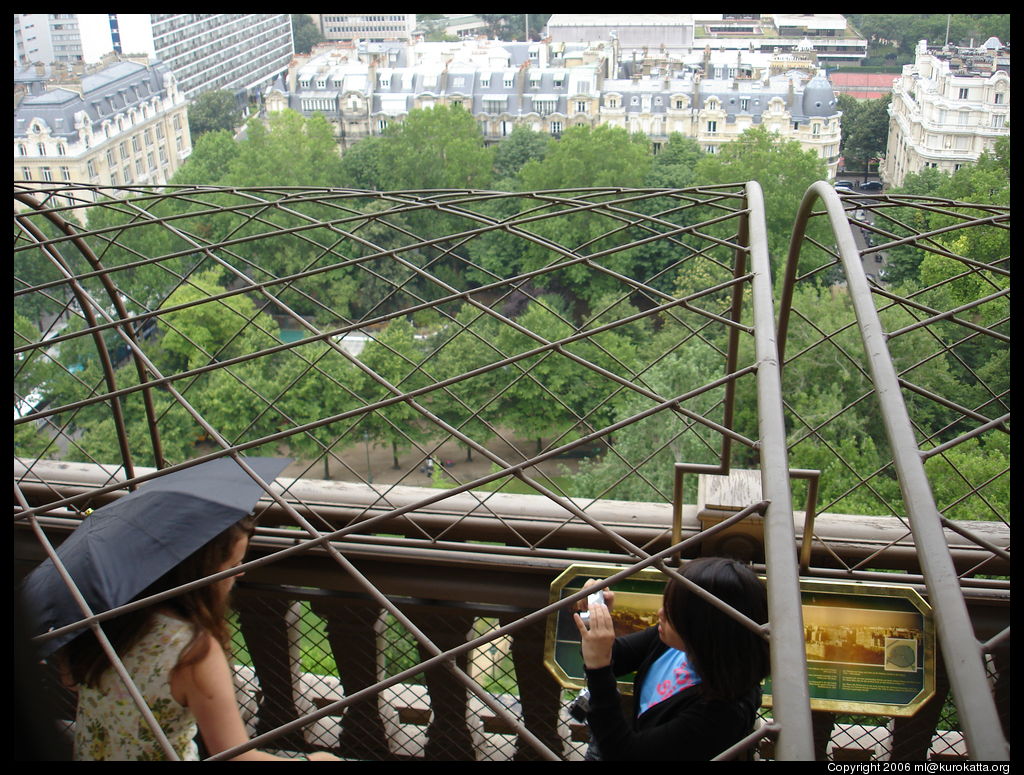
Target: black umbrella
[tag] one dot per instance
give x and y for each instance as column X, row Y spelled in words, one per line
column 123, row 547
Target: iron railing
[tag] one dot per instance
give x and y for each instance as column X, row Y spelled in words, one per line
column 480, row 388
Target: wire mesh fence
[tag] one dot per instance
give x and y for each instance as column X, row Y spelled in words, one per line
column 483, row 374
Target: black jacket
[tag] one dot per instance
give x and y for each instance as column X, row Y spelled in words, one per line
column 684, row 727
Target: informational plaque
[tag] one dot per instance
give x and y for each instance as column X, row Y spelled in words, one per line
column 870, row 647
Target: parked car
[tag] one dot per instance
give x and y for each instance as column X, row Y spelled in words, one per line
column 843, row 187
column 871, row 185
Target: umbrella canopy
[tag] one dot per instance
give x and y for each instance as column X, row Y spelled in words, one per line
column 123, row 547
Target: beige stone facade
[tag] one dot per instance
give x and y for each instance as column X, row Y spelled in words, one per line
column 947, row 108
column 124, row 125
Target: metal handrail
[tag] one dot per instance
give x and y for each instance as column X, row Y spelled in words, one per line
column 960, row 647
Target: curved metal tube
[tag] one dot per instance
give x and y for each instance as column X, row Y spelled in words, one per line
column 960, row 647
column 791, row 697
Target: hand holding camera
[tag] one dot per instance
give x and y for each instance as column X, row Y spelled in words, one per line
column 594, row 598
column 597, row 633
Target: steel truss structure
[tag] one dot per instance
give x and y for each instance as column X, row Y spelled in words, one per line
column 591, row 347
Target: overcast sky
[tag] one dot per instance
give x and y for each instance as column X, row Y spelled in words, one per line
column 95, row 32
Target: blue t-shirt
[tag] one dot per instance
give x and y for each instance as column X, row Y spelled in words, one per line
column 670, row 673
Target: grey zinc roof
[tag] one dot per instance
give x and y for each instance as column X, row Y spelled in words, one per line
column 57, row 108
column 818, row 98
column 104, row 94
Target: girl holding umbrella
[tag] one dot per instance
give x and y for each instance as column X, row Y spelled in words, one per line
column 181, row 528
column 176, row 655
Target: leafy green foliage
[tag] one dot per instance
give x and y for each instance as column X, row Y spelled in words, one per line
column 305, row 33
column 372, row 266
column 905, row 29
column 675, row 165
column 588, row 158
column 865, row 130
column 213, row 111
column 440, row 147
column 785, row 172
column 521, row 146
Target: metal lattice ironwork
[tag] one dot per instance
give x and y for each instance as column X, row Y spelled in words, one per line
column 487, row 383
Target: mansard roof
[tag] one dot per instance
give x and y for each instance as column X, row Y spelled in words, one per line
column 103, row 96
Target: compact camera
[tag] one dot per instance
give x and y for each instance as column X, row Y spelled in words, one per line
column 580, row 706
column 594, row 598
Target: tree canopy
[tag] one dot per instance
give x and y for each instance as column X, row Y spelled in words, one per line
column 906, row 29
column 305, row 33
column 440, row 147
column 213, row 111
column 865, row 130
column 781, row 166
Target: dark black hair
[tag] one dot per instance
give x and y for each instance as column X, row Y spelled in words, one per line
column 729, row 657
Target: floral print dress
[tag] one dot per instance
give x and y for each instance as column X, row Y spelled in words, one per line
column 109, row 726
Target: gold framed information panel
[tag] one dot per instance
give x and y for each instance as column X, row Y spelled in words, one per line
column 870, row 647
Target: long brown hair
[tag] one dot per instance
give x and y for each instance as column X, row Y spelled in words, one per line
column 204, row 607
